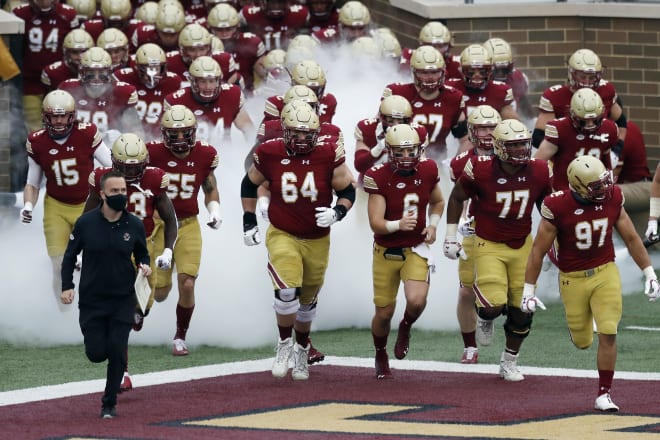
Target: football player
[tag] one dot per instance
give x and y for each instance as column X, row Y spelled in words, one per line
column 75, row 44
column 274, row 21
column 189, row 165
column 64, row 152
column 584, row 70
column 435, row 34
column 584, row 131
column 147, row 193
column 115, row 43
column 303, row 175
column 438, row 108
column 400, row 194
column 504, row 188
column 219, row 104
column 114, row 14
column 170, row 20
column 481, row 123
column 582, row 219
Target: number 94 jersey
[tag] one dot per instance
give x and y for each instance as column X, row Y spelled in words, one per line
column 298, row 184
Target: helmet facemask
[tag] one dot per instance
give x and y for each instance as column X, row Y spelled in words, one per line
column 179, row 140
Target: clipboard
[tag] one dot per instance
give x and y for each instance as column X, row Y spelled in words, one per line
column 142, row 290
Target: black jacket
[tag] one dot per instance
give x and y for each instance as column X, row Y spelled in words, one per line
column 107, row 269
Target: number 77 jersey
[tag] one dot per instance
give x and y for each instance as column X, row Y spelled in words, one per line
column 298, row 184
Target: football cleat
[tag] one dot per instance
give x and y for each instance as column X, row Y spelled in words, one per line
column 179, row 347
column 509, row 368
column 383, row 365
column 283, row 353
column 485, row 330
column 126, row 384
column 300, row 367
column 314, row 355
column 604, row 403
column 470, row 355
column 402, row 342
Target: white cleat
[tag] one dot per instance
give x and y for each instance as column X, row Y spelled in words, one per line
column 604, row 403
column 485, row 331
column 301, row 367
column 509, row 368
column 283, row 353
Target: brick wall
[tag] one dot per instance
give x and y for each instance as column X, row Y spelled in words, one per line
column 628, row 47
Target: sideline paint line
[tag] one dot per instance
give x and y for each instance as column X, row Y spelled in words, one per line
column 646, row 329
column 209, row 371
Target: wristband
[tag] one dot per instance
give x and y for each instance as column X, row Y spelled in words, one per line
column 654, row 212
column 434, row 219
column 529, row 289
column 341, row 211
column 213, row 207
column 649, row 273
column 452, row 228
column 28, row 206
column 392, row 226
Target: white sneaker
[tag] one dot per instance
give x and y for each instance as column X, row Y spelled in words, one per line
column 300, row 368
column 179, row 347
column 485, row 330
column 282, row 355
column 604, row 403
column 509, row 369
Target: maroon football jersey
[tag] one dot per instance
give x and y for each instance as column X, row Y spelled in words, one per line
column 96, row 26
column 456, row 167
column 56, row 73
column 584, row 230
column 496, row 94
column 42, row 41
column 176, row 64
column 246, row 48
column 67, row 165
column 502, row 202
column 403, row 193
column 186, row 175
column 519, row 84
column 315, row 23
column 633, row 160
column 327, row 107
column 452, row 63
column 298, row 184
column 273, row 129
column 274, row 33
column 105, row 111
column 557, row 99
column 571, row 144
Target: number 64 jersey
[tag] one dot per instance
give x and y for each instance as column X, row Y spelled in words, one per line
column 298, row 184
column 503, row 202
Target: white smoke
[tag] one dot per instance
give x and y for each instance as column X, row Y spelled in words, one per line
column 233, row 291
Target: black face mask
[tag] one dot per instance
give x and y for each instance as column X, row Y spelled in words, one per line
column 117, row 201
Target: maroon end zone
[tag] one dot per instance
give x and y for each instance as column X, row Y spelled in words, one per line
column 348, row 403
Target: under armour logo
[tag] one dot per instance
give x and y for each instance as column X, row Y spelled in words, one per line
column 69, row 148
column 437, row 104
column 157, row 92
column 216, row 109
column 418, row 182
column 190, row 164
column 305, row 161
column 598, row 207
column 481, row 244
column 522, row 179
column 565, row 283
column 482, row 99
column 101, row 103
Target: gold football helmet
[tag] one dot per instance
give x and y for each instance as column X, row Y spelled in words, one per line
column 476, row 66
column 130, row 156
column 85, row 9
column 302, row 93
column 481, row 122
column 394, row 110
column 194, row 41
column 403, row 147
column 428, row 68
column 205, row 79
column 512, row 142
column 309, row 73
column 502, row 57
column 170, row 19
column 75, row 43
column 389, row 45
column 115, row 43
column 151, row 63
column 95, row 71
column 588, row 177
column 147, row 12
column 116, row 13
column 58, row 111
column 354, row 19
column 223, row 21
column 584, row 69
column 587, row 110
column 178, row 126
column 301, row 129
column 437, row 35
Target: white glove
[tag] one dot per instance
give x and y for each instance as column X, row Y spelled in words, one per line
column 651, row 233
column 263, row 203
column 529, row 301
column 164, row 261
column 78, row 265
column 453, row 249
column 26, row 212
column 651, row 287
column 378, row 149
column 251, row 237
column 325, row 216
column 215, row 219
column 465, row 228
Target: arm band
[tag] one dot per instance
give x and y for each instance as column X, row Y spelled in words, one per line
column 347, row 193
column 392, row 226
column 249, row 221
column 622, row 122
column 537, row 137
column 248, row 189
column 341, row 211
column 618, row 148
column 655, row 207
column 452, row 228
column 434, row 219
column 459, row 130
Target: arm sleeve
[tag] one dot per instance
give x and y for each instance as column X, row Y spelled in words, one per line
column 69, row 260
column 363, row 160
column 140, row 251
column 35, row 173
column 102, row 155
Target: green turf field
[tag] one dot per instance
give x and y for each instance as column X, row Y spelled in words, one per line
column 547, row 346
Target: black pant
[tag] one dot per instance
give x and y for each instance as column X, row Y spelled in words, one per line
column 105, row 328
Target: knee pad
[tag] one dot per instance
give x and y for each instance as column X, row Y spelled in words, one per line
column 517, row 323
column 306, row 312
column 286, row 301
column 489, row 313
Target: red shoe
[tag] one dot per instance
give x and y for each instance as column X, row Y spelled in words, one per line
column 470, row 355
column 126, row 384
column 179, row 347
column 138, row 320
column 402, row 342
column 383, row 365
column 314, row 355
